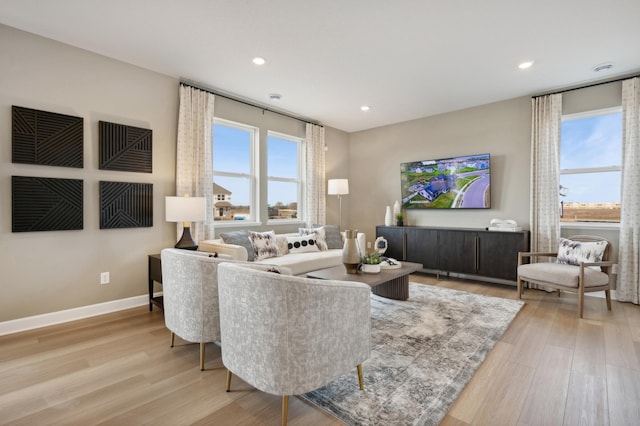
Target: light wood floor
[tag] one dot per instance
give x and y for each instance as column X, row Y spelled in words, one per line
column 549, row 368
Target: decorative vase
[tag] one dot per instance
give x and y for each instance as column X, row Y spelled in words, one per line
column 350, row 252
column 400, row 223
column 396, row 208
column 388, row 217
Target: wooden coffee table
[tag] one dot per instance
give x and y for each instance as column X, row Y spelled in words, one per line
column 389, row 283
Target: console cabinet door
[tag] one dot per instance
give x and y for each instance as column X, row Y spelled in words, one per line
column 498, row 253
column 422, row 247
column 395, row 241
column 457, row 251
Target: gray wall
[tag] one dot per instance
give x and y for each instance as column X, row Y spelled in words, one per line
column 501, row 129
column 44, row 272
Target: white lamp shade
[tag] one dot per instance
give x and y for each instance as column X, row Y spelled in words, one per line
column 185, row 209
column 338, row 187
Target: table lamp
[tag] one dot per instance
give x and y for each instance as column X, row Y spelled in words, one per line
column 185, row 209
column 338, row 187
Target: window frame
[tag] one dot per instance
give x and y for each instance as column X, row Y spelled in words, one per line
column 583, row 170
column 253, row 175
column 299, row 180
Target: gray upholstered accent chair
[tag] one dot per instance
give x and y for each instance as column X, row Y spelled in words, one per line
column 190, row 296
column 288, row 335
column 582, row 266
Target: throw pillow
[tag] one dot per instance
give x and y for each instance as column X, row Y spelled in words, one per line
column 239, row 238
column 302, row 244
column 264, row 245
column 332, row 236
column 573, row 252
column 319, row 233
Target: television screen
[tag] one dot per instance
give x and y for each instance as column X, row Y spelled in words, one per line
column 449, row 183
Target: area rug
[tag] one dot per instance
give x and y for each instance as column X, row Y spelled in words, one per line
column 423, row 352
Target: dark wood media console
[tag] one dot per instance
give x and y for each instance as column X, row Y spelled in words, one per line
column 485, row 255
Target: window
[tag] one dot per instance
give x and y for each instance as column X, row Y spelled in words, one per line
column 590, row 166
column 283, row 180
column 234, row 168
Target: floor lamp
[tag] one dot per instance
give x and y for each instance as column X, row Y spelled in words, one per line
column 338, row 187
column 186, row 210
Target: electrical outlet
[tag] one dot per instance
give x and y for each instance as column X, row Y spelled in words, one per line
column 614, row 268
column 368, row 244
column 104, row 278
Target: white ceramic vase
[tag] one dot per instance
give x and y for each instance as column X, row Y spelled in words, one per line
column 388, row 217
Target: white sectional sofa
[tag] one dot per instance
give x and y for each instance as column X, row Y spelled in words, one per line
column 299, row 261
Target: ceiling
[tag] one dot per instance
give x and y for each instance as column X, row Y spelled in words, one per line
column 406, row 59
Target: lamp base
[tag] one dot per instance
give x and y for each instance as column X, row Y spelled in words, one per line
column 186, row 241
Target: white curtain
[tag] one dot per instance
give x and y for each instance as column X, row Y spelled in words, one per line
column 194, row 158
column 315, row 205
column 628, row 284
column 545, row 173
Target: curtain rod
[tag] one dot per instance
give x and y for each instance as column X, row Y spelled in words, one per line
column 245, row 102
column 587, row 86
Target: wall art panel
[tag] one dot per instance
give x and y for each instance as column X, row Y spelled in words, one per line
column 125, row 148
column 46, row 204
column 47, row 138
column 126, row 205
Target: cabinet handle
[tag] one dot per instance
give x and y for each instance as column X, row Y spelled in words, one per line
column 404, row 246
column 477, row 253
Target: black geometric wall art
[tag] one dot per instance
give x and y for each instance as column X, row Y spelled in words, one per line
column 125, row 148
column 46, row 138
column 126, row 205
column 46, row 204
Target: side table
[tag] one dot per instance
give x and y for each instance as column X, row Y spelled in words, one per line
column 155, row 275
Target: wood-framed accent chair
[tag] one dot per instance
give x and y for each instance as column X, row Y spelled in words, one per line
column 288, row 335
column 190, row 296
column 582, row 266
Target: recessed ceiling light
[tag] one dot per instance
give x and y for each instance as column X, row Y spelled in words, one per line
column 603, row 67
column 275, row 96
column 525, row 65
column 365, row 107
column 259, row 61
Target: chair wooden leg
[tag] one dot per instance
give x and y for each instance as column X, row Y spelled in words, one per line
column 519, row 288
column 607, row 294
column 360, row 379
column 285, row 409
column 229, row 374
column 201, row 356
column 173, row 338
column 580, row 302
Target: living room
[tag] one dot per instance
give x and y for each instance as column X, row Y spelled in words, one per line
column 52, row 277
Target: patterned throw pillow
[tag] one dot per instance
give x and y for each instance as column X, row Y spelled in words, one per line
column 332, row 236
column 319, row 233
column 573, row 252
column 239, row 238
column 302, row 243
column 264, row 245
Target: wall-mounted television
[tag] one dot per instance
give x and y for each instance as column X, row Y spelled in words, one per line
column 462, row 182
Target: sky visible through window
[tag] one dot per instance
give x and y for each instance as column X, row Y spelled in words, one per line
column 594, row 141
column 235, row 156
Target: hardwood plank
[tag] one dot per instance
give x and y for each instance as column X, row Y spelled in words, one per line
column 623, row 388
column 586, row 401
column 545, row 401
column 589, row 354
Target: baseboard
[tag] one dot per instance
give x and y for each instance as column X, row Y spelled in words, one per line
column 37, row 321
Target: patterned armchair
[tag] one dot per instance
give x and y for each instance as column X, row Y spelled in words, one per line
column 288, row 335
column 190, row 296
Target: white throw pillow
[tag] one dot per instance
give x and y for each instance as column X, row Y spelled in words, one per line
column 320, row 236
column 264, row 245
column 573, row 252
column 302, row 243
